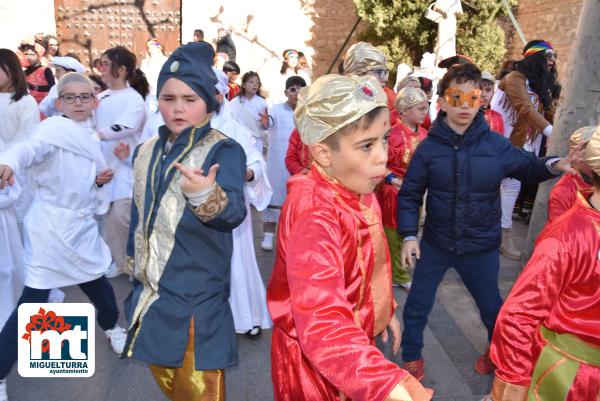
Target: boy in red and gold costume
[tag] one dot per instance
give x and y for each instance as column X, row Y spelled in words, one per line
column 493, row 118
column 330, row 293
column 412, row 107
column 546, row 343
column 297, row 158
column 564, row 193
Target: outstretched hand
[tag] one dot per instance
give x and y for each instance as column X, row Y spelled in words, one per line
column 193, row 179
column 396, row 330
column 6, row 176
column 122, row 150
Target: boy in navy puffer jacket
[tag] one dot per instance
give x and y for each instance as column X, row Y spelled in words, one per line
column 460, row 165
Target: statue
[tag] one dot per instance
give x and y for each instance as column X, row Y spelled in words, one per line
column 445, row 13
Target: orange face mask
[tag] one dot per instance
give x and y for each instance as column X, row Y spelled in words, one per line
column 456, row 98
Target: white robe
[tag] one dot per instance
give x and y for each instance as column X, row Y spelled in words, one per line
column 248, row 296
column 11, row 251
column 279, row 138
column 62, row 242
column 247, row 112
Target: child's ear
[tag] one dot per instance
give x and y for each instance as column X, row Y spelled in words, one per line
column 322, row 154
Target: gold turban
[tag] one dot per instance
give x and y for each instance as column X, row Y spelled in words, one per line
column 592, row 152
column 334, row 101
column 363, row 57
column 408, row 97
column 583, row 134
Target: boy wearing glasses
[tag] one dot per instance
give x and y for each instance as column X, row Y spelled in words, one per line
column 279, row 137
column 63, row 246
column 460, row 165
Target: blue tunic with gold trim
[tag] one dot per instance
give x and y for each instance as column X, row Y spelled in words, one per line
column 180, row 254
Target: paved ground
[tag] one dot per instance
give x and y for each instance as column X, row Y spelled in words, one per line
column 454, row 339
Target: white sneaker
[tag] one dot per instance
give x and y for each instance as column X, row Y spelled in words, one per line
column 3, row 392
column 267, row 242
column 56, row 297
column 113, row 271
column 117, row 337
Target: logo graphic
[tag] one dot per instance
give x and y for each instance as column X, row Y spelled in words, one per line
column 56, row 340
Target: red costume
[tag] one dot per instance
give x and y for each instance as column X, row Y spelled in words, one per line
column 329, row 295
column 391, row 99
column 297, row 157
column 39, row 80
column 564, row 194
column 402, row 143
column 494, row 120
column 234, row 90
column 546, row 343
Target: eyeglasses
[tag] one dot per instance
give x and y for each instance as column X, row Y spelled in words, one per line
column 456, row 98
column 551, row 55
column 380, row 74
column 71, row 98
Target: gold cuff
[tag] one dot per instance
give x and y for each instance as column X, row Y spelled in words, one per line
column 129, row 267
column 503, row 391
column 213, row 205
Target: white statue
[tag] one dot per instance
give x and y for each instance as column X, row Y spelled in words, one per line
column 445, row 13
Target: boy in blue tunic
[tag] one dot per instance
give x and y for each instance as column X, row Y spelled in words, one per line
column 188, row 197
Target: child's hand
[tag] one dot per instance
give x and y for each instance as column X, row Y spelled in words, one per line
column 396, row 330
column 6, row 176
column 193, row 179
column 249, row 174
column 122, row 150
column 410, row 248
column 104, row 177
column 264, row 119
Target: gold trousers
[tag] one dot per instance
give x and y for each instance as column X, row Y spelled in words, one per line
column 188, row 384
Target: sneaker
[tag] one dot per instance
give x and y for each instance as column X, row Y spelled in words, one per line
column 254, row 332
column 3, row 392
column 56, row 296
column 484, row 365
column 405, row 286
column 416, row 368
column 507, row 247
column 113, row 271
column 267, row 242
column 117, row 337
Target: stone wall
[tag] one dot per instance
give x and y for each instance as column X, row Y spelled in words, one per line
column 552, row 20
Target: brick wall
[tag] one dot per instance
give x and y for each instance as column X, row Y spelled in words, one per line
column 552, row 20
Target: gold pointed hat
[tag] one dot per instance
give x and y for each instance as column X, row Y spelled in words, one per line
column 363, row 57
column 582, row 134
column 408, row 97
column 334, row 101
column 592, row 152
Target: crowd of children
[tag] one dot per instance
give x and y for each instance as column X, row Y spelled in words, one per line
column 95, row 182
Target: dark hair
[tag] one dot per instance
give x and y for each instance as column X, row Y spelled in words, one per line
column 245, row 78
column 426, row 84
column 507, row 66
column 459, row 73
column 341, row 67
column 363, row 123
column 595, row 180
column 231, row 66
column 23, row 47
column 73, row 55
column 121, row 57
column 9, row 62
column 96, row 62
column 199, row 32
column 98, row 80
column 535, row 68
column 45, row 44
column 295, row 80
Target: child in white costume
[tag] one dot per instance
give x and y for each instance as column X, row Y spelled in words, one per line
column 62, row 243
column 11, row 249
column 279, row 137
column 248, row 296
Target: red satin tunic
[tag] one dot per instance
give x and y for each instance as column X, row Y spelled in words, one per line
column 564, row 194
column 297, row 157
column 329, row 295
column 494, row 120
column 402, row 144
column 559, row 289
column 391, row 98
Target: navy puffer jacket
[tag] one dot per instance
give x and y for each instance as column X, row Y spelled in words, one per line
column 462, row 176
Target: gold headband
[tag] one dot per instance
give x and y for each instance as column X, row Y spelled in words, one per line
column 334, row 101
column 592, row 152
column 363, row 57
column 583, row 134
column 408, row 97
